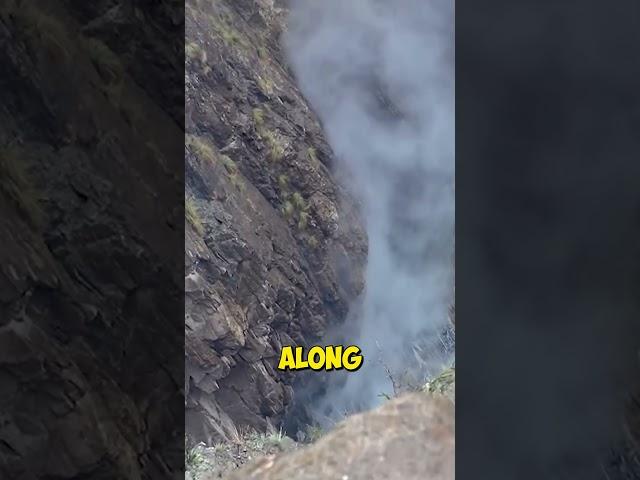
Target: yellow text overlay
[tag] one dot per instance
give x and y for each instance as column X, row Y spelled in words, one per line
column 332, row 357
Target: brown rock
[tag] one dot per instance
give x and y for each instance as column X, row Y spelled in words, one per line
column 408, row 438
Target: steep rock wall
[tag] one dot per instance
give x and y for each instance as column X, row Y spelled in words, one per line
column 274, row 248
column 90, row 350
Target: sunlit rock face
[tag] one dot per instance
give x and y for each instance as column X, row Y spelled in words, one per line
column 274, row 247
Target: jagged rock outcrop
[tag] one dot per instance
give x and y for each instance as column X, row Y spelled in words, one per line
column 410, row 437
column 90, row 283
column 274, row 249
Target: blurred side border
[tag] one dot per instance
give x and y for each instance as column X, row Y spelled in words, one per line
column 92, row 235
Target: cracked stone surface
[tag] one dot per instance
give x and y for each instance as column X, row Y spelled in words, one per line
column 274, row 230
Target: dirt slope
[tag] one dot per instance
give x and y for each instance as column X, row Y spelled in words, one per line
column 411, row 437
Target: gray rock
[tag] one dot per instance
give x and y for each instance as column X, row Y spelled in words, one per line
column 256, row 277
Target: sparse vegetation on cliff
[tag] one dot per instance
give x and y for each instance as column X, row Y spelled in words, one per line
column 248, row 166
column 288, row 209
column 312, row 154
column 274, row 143
column 204, row 462
column 303, row 220
column 444, row 383
column 298, row 201
column 192, row 216
column 200, row 147
column 229, row 165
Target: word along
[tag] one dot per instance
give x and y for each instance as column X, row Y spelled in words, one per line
column 332, row 357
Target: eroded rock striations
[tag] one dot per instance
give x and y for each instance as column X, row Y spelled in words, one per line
column 274, row 249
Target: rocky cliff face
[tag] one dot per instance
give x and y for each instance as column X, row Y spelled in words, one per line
column 274, row 249
column 90, row 284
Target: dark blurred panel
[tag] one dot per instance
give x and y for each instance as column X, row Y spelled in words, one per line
column 92, row 237
column 548, row 247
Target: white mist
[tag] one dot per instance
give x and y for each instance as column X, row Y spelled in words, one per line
column 380, row 75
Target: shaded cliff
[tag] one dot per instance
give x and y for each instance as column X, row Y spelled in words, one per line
column 90, row 226
column 274, row 250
